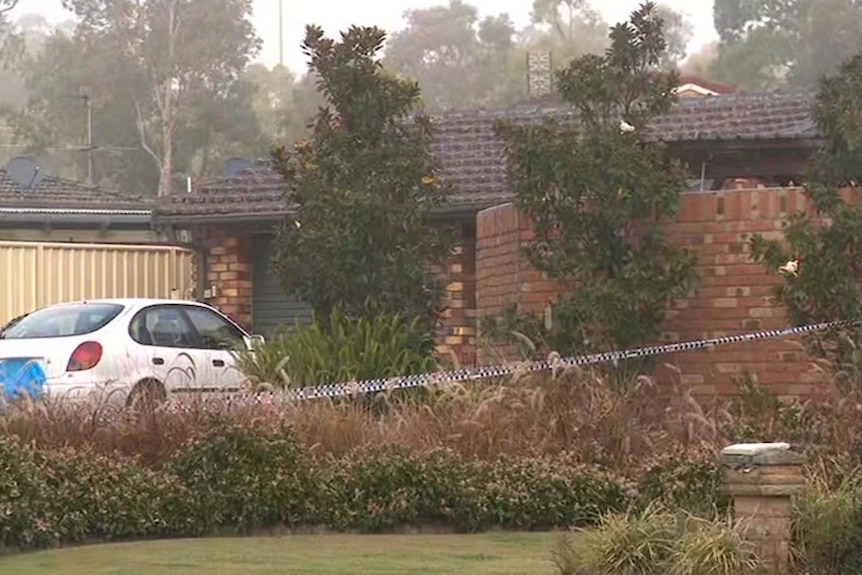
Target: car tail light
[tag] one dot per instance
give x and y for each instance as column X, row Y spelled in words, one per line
column 86, row 356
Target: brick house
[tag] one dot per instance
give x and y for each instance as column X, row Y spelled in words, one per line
column 745, row 151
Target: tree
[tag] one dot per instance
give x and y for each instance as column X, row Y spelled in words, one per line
column 825, row 248
column 363, row 187
column 567, row 28
column 766, row 44
column 596, row 194
column 214, row 118
column 678, row 32
column 700, row 63
column 457, row 59
column 185, row 48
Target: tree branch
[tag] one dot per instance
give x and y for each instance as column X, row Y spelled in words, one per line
column 143, row 134
column 7, row 5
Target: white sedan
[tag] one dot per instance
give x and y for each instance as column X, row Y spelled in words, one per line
column 140, row 350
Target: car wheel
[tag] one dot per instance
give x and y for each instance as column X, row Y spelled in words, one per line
column 146, row 396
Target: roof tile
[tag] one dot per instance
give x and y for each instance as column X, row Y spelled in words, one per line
column 472, row 156
column 52, row 192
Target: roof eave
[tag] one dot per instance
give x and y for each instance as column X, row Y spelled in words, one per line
column 452, row 210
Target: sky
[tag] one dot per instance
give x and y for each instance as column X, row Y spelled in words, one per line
column 336, row 15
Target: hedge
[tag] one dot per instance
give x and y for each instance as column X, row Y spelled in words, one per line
column 246, row 479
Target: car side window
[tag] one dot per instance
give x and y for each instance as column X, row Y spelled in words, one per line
column 162, row 326
column 214, row 331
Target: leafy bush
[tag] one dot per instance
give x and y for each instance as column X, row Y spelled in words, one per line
column 597, row 195
column 342, row 349
column 253, row 476
column 49, row 497
column 654, row 541
column 824, row 244
column 363, row 187
column 686, row 483
column 247, row 477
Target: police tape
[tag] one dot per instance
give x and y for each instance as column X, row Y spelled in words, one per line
column 369, row 386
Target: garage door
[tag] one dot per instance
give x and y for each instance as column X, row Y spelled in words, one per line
column 272, row 308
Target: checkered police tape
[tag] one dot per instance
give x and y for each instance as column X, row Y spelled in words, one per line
column 472, row 374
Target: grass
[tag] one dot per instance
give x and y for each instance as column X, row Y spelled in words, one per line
column 486, row 554
column 570, row 411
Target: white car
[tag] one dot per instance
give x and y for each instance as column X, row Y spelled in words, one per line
column 140, row 350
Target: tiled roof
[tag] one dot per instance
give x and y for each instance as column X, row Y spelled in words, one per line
column 61, row 194
column 472, row 156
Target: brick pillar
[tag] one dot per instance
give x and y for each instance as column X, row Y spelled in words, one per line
column 763, row 480
column 229, row 274
column 458, row 330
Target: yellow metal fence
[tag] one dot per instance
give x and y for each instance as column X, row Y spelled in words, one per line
column 36, row 274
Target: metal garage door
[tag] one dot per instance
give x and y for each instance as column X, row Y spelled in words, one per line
column 272, row 308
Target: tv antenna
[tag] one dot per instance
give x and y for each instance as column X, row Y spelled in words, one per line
column 24, row 171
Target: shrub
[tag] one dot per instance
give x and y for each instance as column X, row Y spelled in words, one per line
column 342, row 349
column 49, row 497
column 254, row 476
column 631, row 543
column 248, row 477
column 25, row 516
column 823, row 284
column 102, row 497
column 653, row 541
column 688, row 483
column 380, row 488
column 547, row 492
column 828, row 527
column 362, row 189
column 597, row 195
column 713, row 547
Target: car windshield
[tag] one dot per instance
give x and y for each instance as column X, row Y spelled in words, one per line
column 63, row 321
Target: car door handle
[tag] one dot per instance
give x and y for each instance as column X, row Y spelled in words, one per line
column 158, row 361
column 218, row 362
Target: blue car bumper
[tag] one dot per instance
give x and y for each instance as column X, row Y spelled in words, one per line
column 19, row 379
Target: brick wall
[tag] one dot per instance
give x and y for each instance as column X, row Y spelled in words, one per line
column 733, row 296
column 228, row 269
column 503, row 276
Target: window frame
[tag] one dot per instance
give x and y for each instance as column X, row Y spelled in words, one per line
column 142, row 313
column 242, row 335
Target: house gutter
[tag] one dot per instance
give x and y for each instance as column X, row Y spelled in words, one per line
column 75, row 216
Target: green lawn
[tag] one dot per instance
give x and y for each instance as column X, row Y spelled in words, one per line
column 486, row 554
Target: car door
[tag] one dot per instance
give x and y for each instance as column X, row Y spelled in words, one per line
column 169, row 343
column 221, row 338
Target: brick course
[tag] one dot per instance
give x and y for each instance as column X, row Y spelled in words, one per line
column 734, row 295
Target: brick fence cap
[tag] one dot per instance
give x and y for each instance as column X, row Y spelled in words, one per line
column 761, row 454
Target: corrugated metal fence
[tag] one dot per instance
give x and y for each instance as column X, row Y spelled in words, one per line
column 36, row 274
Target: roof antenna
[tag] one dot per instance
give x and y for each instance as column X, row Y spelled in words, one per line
column 233, row 166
